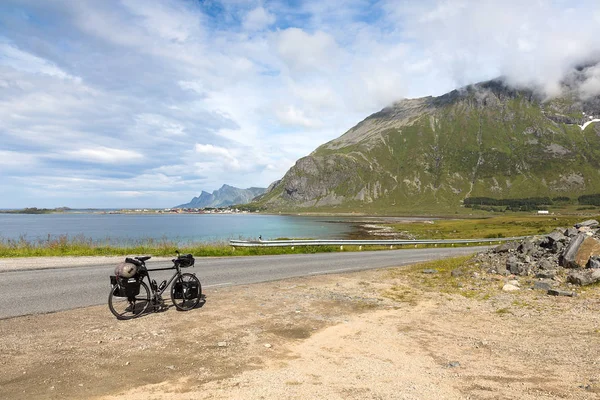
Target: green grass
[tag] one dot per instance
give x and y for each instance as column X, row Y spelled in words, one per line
column 82, row 246
column 494, row 227
column 442, row 281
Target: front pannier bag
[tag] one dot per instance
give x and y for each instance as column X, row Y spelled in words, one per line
column 185, row 290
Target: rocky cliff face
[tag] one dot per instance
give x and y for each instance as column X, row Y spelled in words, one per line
column 225, row 196
column 484, row 140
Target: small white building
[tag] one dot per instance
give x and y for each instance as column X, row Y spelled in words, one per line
column 540, row 212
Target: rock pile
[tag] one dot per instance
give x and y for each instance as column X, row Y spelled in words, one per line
column 569, row 256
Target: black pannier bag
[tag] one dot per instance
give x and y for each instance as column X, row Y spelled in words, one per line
column 125, row 287
column 185, row 290
column 186, row 261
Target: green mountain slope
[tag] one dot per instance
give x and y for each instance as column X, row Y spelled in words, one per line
column 429, row 154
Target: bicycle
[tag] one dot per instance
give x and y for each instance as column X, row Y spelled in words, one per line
column 130, row 297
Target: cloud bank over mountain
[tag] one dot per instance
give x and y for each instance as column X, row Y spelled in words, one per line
column 137, row 103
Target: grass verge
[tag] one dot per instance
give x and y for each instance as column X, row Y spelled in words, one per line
column 495, row 227
column 80, row 246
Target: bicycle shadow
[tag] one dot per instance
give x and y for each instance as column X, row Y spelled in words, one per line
column 151, row 309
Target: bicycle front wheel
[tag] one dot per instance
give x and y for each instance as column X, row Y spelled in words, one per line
column 186, row 292
column 124, row 308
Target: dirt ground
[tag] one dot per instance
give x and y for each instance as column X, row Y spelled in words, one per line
column 385, row 334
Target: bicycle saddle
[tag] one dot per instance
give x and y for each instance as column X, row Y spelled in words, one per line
column 143, row 259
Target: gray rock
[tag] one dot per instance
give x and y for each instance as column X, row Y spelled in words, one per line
column 556, row 236
column 585, row 277
column 571, row 232
column 510, row 288
column 453, row 364
column 543, row 285
column 506, row 247
column 590, row 223
column 556, row 292
column 545, row 264
column 526, row 248
column 456, row 273
column 546, row 274
column 430, row 271
column 557, row 247
column 593, row 262
column 501, row 269
column 512, row 264
column 568, row 258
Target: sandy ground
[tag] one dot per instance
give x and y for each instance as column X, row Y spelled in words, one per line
column 385, row 334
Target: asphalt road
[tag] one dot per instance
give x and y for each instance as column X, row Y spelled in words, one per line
column 50, row 290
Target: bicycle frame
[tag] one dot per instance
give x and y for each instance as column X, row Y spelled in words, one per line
column 152, row 287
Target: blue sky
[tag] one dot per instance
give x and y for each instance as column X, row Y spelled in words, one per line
column 137, row 103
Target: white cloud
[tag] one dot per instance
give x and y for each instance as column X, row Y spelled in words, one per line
column 304, row 52
column 591, row 86
column 531, row 42
column 210, row 150
column 291, row 116
column 162, row 124
column 23, row 61
column 258, row 19
column 105, row 155
column 17, row 160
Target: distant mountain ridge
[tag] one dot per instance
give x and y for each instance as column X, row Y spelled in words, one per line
column 433, row 153
column 224, row 197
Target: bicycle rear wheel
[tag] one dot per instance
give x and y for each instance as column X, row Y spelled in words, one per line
column 186, row 292
column 123, row 308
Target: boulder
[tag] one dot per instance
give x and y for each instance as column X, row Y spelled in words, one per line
column 557, row 247
column 556, row 236
column 584, row 277
column 590, row 223
column 512, row 265
column 546, row 274
column 527, row 247
column 590, row 247
column 587, row 230
column 569, row 255
column 506, row 247
column 571, row 232
column 510, row 288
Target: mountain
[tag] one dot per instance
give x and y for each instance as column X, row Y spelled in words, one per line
column 432, row 153
column 225, row 196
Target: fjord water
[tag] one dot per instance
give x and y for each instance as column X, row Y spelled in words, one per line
column 181, row 228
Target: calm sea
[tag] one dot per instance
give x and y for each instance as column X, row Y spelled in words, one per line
column 183, row 228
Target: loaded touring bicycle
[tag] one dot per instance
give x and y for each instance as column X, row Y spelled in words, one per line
column 130, row 296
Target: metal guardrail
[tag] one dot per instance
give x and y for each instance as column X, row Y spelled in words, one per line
column 342, row 242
